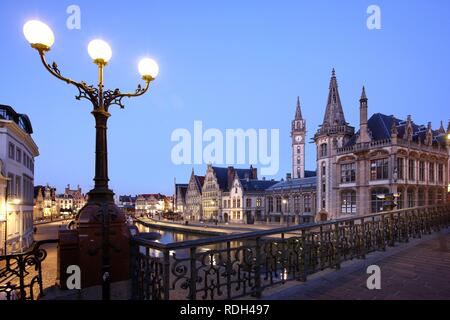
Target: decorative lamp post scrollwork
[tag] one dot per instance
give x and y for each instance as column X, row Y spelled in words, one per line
column 100, row 213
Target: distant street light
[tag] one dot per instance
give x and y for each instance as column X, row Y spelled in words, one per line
column 100, row 208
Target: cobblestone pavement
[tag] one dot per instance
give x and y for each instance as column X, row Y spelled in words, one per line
column 413, row 271
column 49, row 265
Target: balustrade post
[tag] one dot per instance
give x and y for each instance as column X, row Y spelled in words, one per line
column 229, row 270
column 166, row 274
column 193, row 280
column 391, row 230
column 337, row 252
column 258, row 289
column 303, row 271
column 363, row 246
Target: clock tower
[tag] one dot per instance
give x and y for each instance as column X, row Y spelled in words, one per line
column 298, row 134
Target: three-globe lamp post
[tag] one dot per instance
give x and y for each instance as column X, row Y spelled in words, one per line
column 100, row 208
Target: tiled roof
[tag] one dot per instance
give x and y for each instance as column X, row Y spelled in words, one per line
column 380, row 125
column 304, row 183
column 222, row 175
column 257, row 185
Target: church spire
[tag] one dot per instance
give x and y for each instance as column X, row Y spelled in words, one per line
column 334, row 114
column 298, row 110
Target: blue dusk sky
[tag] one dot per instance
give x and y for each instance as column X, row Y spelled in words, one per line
column 231, row 64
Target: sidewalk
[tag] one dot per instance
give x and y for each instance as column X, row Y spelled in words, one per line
column 417, row 270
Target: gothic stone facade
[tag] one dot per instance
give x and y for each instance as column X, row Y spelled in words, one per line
column 386, row 156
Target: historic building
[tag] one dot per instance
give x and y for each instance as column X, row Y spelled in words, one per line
column 387, row 155
column 193, row 198
column 151, row 203
column 292, row 201
column 78, row 198
column 65, row 204
column 179, row 200
column 298, row 135
column 244, row 202
column 127, row 204
column 217, row 182
column 45, row 206
column 17, row 153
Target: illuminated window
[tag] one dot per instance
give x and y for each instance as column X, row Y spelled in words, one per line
column 379, row 169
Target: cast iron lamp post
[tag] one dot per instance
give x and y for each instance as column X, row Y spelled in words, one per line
column 100, row 211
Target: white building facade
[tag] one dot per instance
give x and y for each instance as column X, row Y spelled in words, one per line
column 17, row 153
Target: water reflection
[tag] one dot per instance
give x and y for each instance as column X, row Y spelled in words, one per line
column 176, row 236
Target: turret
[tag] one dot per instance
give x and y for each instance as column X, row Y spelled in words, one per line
column 363, row 132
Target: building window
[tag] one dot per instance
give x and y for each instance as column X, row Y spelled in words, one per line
column 297, row 204
column 421, row 171
column 401, row 168
column 421, row 197
column 323, row 150
column 411, row 198
column 270, row 204
column 225, row 204
column 11, row 150
column 10, row 185
column 377, row 199
column 348, row 172
column 430, row 197
column 348, row 202
column 239, row 203
column 440, row 172
column 431, row 171
column 258, row 202
column 17, row 192
column 307, row 202
column 439, row 196
column 278, row 208
column 18, row 155
column 411, row 169
column 379, row 169
column 324, row 169
column 248, row 202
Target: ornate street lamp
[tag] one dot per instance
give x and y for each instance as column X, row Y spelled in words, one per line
column 100, row 216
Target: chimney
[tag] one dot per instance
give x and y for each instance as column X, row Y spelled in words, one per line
column 230, row 176
column 254, row 172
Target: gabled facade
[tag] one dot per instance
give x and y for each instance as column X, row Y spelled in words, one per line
column 218, row 181
column 245, row 200
column 193, row 209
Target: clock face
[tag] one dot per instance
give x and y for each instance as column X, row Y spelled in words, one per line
column 298, row 138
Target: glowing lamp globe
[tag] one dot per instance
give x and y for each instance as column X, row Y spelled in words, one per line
column 148, row 69
column 99, row 51
column 38, row 34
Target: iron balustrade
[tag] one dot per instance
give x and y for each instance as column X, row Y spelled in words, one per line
column 21, row 273
column 245, row 264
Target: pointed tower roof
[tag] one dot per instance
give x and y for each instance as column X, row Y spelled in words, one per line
column 298, row 110
column 334, row 114
column 363, row 94
column 441, row 128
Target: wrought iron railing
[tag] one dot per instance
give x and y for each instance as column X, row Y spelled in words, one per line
column 232, row 266
column 21, row 273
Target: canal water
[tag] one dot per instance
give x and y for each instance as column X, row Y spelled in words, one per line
column 176, row 236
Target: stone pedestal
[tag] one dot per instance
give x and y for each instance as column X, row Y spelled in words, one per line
column 85, row 246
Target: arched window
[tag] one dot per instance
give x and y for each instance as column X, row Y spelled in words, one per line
column 377, row 199
column 348, row 202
